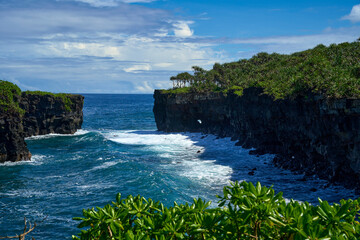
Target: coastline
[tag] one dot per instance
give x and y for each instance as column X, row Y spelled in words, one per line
column 311, row 134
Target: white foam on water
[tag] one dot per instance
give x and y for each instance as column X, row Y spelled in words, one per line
column 207, row 171
column 180, row 151
column 51, row 135
column 35, row 160
column 213, row 162
column 105, row 165
column 147, row 138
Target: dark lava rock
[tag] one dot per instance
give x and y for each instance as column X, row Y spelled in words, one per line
column 44, row 114
column 312, row 134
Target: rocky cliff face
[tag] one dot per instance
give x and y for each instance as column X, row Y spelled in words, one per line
column 309, row 134
column 46, row 114
column 12, row 144
column 43, row 114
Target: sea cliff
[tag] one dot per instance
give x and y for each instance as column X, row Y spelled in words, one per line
column 46, row 114
column 311, row 133
column 34, row 113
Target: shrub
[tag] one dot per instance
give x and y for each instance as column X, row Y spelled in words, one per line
column 10, row 97
column 245, row 212
column 330, row 71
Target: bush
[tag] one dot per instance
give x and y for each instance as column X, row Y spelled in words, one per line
column 330, row 71
column 245, row 212
column 10, row 97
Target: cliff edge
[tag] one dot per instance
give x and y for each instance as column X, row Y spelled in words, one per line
column 311, row 133
column 25, row 114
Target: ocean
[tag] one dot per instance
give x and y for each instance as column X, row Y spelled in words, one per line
column 119, row 150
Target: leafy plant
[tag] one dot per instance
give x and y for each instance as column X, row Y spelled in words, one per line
column 245, row 211
column 10, row 97
column 332, row 71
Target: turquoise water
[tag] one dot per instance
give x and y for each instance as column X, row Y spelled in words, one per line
column 119, row 150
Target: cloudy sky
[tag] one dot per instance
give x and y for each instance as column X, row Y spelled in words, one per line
column 134, row 46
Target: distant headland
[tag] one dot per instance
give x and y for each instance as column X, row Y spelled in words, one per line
column 30, row 113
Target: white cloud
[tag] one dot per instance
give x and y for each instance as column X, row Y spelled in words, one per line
column 127, row 19
column 144, row 87
column 163, row 65
column 138, row 68
column 182, row 29
column 161, row 54
column 100, row 3
column 111, row 3
column 354, row 15
column 290, row 44
column 138, row 1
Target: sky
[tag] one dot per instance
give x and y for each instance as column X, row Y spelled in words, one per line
column 135, row 46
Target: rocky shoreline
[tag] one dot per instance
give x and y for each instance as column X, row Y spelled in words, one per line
column 310, row 134
column 43, row 114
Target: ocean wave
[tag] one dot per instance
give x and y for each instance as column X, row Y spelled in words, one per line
column 181, row 153
column 51, row 135
column 35, row 160
column 207, row 171
column 147, row 138
column 105, row 165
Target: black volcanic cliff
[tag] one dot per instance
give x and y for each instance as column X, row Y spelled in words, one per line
column 313, row 134
column 39, row 114
column 46, row 114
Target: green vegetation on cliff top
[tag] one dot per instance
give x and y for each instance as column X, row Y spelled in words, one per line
column 10, row 95
column 65, row 97
column 332, row 71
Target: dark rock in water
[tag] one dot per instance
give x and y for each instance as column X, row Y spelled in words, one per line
column 254, row 169
column 313, row 189
column 303, row 179
column 252, row 152
column 257, row 152
column 309, row 134
column 198, row 151
column 44, row 114
column 251, row 173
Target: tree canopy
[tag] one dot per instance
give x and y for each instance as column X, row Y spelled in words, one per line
column 333, row 71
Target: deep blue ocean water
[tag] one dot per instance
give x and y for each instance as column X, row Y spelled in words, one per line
column 119, row 150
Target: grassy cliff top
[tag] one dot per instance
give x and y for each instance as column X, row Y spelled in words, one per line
column 65, row 97
column 332, row 71
column 10, row 95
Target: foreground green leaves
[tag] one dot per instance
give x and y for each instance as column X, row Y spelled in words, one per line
column 245, row 212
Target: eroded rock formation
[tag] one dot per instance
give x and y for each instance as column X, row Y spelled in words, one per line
column 310, row 134
column 42, row 114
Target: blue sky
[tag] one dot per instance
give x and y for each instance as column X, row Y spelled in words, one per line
column 134, row 46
